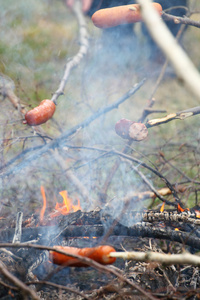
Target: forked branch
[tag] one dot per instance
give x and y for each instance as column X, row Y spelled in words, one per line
column 181, row 115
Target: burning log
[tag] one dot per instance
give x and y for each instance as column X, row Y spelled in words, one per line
column 44, row 234
column 67, row 231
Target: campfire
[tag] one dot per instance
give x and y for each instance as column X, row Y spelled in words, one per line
column 67, row 225
column 63, row 208
column 98, row 199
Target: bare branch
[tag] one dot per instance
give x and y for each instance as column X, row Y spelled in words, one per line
column 184, row 67
column 58, row 286
column 184, row 258
column 140, row 163
column 74, row 62
column 86, row 260
column 61, row 139
column 180, row 20
column 150, row 194
column 149, row 184
column 181, row 115
column 24, row 289
column 72, row 177
column 6, row 90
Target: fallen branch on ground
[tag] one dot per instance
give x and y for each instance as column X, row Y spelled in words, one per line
column 24, row 289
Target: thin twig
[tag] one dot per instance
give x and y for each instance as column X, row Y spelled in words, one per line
column 62, row 138
column 58, row 286
column 72, row 177
column 180, row 20
column 84, row 45
column 10, row 287
column 181, row 115
column 179, row 171
column 6, row 90
column 144, row 178
column 23, row 287
column 124, row 150
column 140, row 163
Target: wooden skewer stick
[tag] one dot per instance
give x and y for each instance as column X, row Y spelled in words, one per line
column 184, row 258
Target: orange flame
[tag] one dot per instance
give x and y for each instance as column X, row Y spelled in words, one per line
column 162, row 207
column 197, row 212
column 77, row 206
column 60, row 208
column 42, row 212
column 180, row 209
column 66, row 207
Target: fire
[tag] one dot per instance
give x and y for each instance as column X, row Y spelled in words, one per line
column 42, row 212
column 63, row 208
column 180, row 209
column 66, row 207
column 162, row 207
column 197, row 212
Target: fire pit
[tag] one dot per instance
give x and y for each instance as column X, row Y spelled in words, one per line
column 24, row 250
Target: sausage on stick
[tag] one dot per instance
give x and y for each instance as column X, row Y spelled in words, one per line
column 41, row 113
column 125, row 14
column 99, row 254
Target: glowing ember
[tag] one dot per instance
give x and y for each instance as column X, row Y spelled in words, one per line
column 42, row 212
column 176, row 229
column 162, row 207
